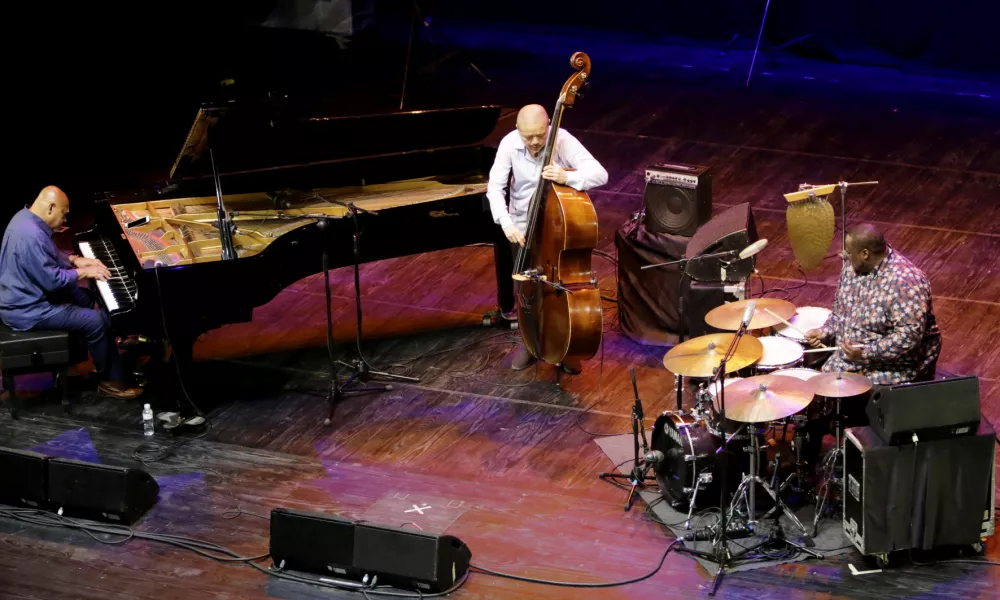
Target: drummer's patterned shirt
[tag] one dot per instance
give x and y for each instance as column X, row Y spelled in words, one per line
column 890, row 312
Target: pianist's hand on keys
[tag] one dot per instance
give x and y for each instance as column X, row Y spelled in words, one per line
column 92, row 272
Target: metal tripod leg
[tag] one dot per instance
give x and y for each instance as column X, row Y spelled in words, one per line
column 829, row 471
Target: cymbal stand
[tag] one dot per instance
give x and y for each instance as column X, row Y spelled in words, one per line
column 721, row 553
column 640, row 469
column 833, row 463
column 798, row 474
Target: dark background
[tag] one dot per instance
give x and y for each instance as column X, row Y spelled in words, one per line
column 101, row 94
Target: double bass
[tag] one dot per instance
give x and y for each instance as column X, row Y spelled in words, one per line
column 558, row 301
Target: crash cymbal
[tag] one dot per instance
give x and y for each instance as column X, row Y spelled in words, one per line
column 729, row 316
column 766, row 398
column 840, row 384
column 699, row 356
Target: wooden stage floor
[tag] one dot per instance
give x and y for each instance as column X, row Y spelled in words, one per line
column 511, row 453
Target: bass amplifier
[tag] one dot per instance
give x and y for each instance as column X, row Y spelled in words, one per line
column 677, row 198
column 918, row 496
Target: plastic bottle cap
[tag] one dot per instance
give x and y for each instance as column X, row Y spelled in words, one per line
column 146, row 406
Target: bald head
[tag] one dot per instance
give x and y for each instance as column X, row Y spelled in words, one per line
column 51, row 206
column 533, row 126
column 865, row 246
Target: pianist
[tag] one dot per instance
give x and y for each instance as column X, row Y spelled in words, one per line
column 516, row 169
column 38, row 287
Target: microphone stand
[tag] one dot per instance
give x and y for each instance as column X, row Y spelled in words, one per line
column 639, row 474
column 721, row 553
column 225, row 224
column 362, row 371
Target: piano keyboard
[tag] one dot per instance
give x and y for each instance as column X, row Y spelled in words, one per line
column 119, row 291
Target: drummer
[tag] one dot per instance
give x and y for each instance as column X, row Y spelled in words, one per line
column 883, row 319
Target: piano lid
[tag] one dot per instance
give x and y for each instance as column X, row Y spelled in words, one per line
column 258, row 136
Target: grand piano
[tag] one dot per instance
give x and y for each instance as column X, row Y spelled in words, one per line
column 283, row 171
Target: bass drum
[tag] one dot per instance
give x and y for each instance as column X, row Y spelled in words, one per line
column 690, row 453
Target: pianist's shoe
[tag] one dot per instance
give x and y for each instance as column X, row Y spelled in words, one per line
column 118, row 390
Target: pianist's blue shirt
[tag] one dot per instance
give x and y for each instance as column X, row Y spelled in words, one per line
column 32, row 271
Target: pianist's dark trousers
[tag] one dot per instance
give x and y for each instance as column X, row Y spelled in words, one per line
column 93, row 326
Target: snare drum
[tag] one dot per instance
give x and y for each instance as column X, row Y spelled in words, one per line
column 806, row 318
column 779, row 353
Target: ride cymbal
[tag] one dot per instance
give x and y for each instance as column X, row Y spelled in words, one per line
column 840, row 384
column 698, row 357
column 729, row 316
column 766, row 398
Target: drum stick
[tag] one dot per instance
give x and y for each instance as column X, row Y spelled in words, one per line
column 825, row 348
column 794, row 328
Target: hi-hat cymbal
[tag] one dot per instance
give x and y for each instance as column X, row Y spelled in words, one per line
column 840, row 385
column 729, row 316
column 766, row 398
column 699, row 356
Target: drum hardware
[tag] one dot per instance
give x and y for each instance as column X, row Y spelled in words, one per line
column 746, row 493
column 799, row 474
column 721, row 553
column 835, row 385
column 703, row 480
column 640, row 468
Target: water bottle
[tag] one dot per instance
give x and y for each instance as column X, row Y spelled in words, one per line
column 147, row 420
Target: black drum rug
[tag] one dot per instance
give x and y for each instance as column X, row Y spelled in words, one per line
column 829, row 540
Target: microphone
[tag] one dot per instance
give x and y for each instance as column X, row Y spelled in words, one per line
column 653, row 457
column 748, row 313
column 753, row 248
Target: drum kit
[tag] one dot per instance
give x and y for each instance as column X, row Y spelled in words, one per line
column 769, row 384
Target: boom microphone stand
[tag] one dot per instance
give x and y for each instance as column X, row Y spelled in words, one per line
column 721, row 553
column 640, row 469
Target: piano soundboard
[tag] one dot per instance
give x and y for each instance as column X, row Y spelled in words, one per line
column 184, row 231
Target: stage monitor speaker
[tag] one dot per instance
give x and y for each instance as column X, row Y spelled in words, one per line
column 932, row 494
column 23, row 477
column 733, row 230
column 313, row 542
column 677, row 198
column 410, row 559
column 931, row 409
column 319, row 543
column 101, row 492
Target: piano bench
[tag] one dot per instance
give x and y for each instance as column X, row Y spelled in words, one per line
column 26, row 352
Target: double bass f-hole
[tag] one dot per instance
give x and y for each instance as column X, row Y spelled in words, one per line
column 559, row 303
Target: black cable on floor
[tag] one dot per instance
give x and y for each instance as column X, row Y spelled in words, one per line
column 571, row 584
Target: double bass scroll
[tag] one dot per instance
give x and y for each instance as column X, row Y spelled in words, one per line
column 559, row 303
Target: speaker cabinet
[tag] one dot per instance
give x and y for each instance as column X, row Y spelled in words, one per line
column 101, row 492
column 313, row 542
column 23, row 478
column 677, row 198
column 923, row 496
column 319, row 543
column 407, row 558
column 733, row 230
column 932, row 409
